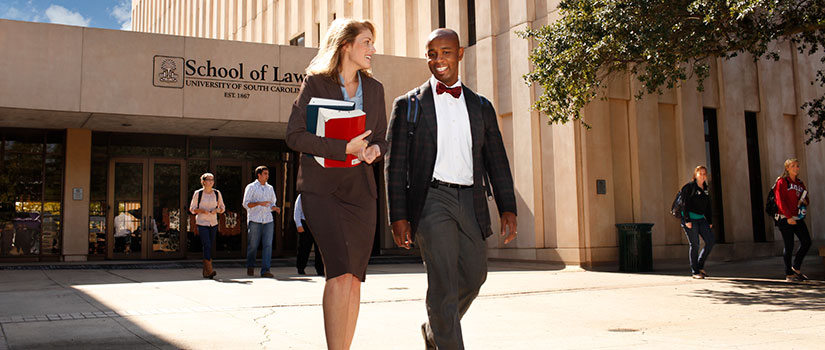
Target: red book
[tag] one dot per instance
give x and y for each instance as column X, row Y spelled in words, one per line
column 341, row 125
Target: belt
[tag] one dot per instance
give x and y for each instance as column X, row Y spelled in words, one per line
column 436, row 183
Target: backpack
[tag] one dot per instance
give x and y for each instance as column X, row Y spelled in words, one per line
column 678, row 205
column 200, row 195
column 770, row 204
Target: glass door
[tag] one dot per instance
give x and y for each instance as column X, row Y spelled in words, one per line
column 166, row 198
column 127, row 193
column 231, row 240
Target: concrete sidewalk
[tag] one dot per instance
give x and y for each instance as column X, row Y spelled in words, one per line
column 521, row 306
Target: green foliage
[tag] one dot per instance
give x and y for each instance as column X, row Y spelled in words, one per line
column 662, row 43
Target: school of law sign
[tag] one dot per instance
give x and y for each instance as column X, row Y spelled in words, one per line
column 236, row 80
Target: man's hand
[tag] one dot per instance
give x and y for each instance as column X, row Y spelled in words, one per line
column 791, row 221
column 255, row 204
column 689, row 224
column 508, row 220
column 276, row 209
column 401, row 231
column 300, row 229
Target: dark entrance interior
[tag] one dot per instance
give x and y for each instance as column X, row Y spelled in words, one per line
column 712, row 159
column 755, row 177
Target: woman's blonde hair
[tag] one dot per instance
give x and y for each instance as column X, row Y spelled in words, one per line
column 341, row 32
column 696, row 170
column 206, row 175
column 788, row 163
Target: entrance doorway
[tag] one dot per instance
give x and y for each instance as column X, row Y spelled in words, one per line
column 146, row 212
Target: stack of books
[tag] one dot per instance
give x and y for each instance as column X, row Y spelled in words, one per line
column 335, row 119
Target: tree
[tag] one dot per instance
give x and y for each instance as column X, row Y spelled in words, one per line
column 662, row 43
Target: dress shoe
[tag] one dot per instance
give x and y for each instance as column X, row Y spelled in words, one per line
column 250, row 271
column 302, row 272
column 429, row 343
column 267, row 275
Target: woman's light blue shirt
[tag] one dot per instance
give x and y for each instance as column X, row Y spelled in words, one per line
column 359, row 94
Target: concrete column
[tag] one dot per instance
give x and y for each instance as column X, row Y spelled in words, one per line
column 383, row 37
column 360, row 9
column 646, row 165
column 486, row 60
column 526, row 154
column 339, row 7
column 281, row 26
column 310, row 31
column 324, row 18
column 427, row 22
column 733, row 149
column 455, row 13
column 810, row 156
column 76, row 211
column 399, row 29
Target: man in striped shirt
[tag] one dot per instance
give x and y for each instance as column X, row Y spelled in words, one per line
column 260, row 201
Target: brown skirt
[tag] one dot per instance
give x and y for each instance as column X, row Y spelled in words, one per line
column 344, row 231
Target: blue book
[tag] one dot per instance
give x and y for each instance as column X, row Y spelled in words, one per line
column 316, row 102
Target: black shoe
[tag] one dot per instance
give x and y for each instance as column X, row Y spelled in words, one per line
column 302, row 272
column 429, row 344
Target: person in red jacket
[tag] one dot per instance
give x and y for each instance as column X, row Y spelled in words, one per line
column 792, row 201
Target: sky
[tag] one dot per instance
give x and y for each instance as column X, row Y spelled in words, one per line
column 110, row 14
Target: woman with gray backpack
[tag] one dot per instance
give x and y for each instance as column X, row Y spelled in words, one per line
column 206, row 204
column 693, row 207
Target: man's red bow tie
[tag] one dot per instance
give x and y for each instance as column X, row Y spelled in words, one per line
column 440, row 88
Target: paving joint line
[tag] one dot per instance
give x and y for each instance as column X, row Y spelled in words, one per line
column 4, row 345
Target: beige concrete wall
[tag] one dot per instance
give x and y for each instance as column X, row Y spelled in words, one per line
column 76, row 211
column 644, row 149
column 103, row 79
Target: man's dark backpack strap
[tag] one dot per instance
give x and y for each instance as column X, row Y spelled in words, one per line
column 486, row 177
column 413, row 107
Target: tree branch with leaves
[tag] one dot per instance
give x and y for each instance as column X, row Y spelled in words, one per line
column 663, row 43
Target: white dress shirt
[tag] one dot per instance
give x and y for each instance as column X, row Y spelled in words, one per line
column 255, row 192
column 454, row 156
column 298, row 214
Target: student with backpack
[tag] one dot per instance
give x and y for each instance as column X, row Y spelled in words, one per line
column 206, row 204
column 693, row 207
column 791, row 200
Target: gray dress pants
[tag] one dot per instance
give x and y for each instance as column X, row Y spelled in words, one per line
column 454, row 253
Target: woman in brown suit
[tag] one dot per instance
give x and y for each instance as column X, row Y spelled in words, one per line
column 339, row 203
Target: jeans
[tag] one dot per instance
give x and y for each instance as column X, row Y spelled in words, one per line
column 697, row 258
column 788, row 231
column 259, row 232
column 207, row 234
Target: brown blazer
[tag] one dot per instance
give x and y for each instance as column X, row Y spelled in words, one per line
column 345, row 182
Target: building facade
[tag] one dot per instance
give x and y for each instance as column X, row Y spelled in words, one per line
column 573, row 185
column 105, row 133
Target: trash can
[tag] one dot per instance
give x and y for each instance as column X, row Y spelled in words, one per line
column 635, row 247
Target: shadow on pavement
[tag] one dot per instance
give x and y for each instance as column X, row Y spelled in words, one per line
column 780, row 294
